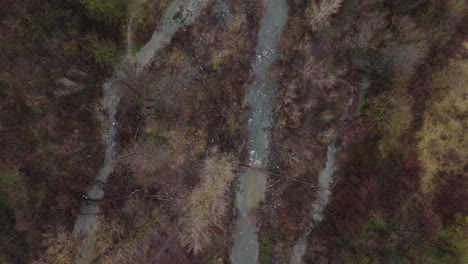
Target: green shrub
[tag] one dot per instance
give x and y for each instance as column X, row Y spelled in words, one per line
column 440, row 20
column 451, row 244
column 443, row 142
column 106, row 11
column 104, row 52
column 266, row 248
column 391, row 115
column 14, row 194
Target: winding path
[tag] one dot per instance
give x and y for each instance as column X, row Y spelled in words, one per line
column 180, row 13
column 325, row 179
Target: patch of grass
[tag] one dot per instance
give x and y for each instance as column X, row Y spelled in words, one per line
column 135, row 50
column 106, row 11
column 104, row 52
column 266, row 248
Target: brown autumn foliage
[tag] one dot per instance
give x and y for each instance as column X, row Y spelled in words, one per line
column 209, row 202
column 397, row 44
column 49, row 132
column 451, row 198
column 293, row 210
column 117, row 244
column 60, row 248
column 190, row 100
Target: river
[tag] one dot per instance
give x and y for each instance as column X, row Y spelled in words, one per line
column 260, row 97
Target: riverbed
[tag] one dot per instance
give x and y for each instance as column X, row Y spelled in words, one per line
column 260, row 98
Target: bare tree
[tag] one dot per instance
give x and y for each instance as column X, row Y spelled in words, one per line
column 208, row 203
column 319, row 13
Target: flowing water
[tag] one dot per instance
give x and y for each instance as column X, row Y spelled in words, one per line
column 180, row 13
column 252, row 182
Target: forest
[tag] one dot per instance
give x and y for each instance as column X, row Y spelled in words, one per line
column 136, row 117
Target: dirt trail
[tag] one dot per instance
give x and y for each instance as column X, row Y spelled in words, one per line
column 87, row 222
column 179, row 13
column 326, row 176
